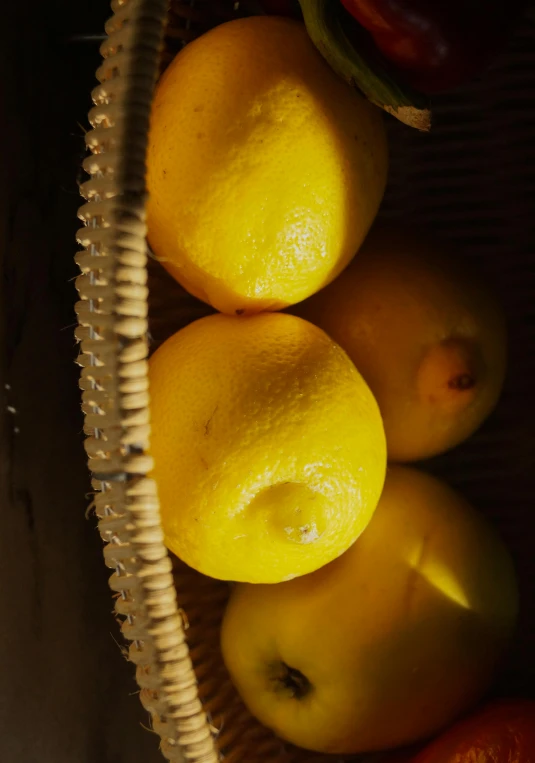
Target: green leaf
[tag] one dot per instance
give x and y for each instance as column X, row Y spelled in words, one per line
column 326, row 31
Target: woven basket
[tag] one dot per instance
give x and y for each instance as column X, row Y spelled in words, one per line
column 472, row 180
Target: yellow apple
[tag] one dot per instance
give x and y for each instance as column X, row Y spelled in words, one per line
column 388, row 643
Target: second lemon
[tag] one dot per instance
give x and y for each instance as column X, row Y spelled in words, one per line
column 265, row 170
column 268, row 446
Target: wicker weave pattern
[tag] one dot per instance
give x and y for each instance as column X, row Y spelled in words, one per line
column 112, row 315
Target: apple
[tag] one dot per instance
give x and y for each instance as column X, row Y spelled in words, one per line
column 390, row 642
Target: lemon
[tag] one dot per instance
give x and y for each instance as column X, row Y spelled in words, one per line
column 268, row 446
column 428, row 337
column 265, row 170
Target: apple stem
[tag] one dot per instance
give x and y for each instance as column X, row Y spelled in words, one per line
column 291, row 680
column 462, row 382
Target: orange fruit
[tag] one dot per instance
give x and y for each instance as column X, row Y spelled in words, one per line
column 268, row 447
column 390, row 642
column 265, row 170
column 428, row 337
column 500, row 732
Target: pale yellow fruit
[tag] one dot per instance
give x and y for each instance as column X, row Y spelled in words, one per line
column 265, row 170
column 426, row 334
column 387, row 644
column 268, row 446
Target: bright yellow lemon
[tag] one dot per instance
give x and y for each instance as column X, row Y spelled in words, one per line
column 265, row 170
column 269, row 447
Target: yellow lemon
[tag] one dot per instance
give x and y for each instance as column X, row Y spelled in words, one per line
column 428, row 337
column 268, row 447
column 265, row 170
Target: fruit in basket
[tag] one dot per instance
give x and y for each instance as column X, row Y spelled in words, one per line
column 390, row 642
column 265, row 170
column 428, row 337
column 348, row 49
column 440, row 45
column 500, row 732
column 268, row 446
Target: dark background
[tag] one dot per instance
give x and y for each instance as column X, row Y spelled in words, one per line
column 66, row 695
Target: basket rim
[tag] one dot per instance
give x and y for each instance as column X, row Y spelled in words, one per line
column 112, row 332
